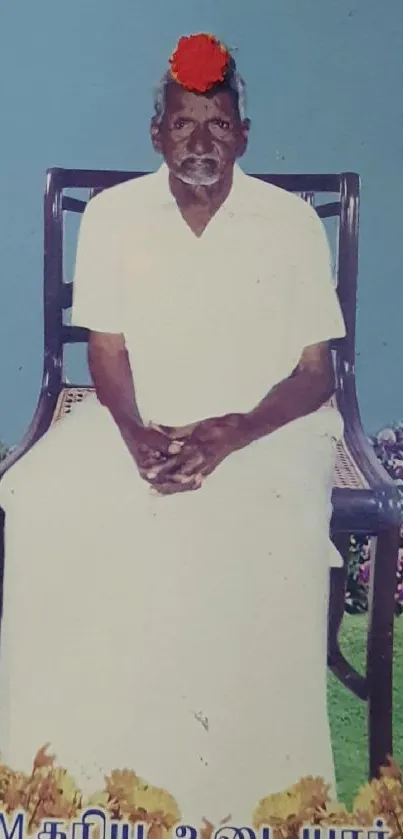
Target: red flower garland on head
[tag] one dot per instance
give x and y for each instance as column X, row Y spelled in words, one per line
column 199, row 62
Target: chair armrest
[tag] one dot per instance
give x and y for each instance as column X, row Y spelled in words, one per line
column 356, row 439
column 39, row 424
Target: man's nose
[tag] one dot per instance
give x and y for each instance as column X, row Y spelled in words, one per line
column 200, row 141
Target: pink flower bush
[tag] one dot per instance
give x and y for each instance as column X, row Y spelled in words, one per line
column 388, row 447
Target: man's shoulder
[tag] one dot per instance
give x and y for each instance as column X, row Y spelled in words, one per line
column 270, row 200
column 131, row 195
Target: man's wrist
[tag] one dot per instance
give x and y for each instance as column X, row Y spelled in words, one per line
column 248, row 430
column 137, row 431
column 132, row 431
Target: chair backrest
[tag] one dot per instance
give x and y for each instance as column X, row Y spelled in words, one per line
column 333, row 196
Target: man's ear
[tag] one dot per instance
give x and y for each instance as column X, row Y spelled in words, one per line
column 156, row 139
column 244, row 136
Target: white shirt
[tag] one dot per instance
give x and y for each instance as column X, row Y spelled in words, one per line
column 212, row 323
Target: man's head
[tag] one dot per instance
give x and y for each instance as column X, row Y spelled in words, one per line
column 201, row 133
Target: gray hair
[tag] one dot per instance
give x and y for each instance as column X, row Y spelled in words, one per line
column 234, row 83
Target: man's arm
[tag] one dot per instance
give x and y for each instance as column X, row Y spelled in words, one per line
column 98, row 306
column 112, row 376
column 309, row 387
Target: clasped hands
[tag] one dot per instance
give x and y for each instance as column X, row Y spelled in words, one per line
column 175, row 460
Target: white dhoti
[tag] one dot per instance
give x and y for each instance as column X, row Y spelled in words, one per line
column 183, row 637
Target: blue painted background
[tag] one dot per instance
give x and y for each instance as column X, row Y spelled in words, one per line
column 325, row 79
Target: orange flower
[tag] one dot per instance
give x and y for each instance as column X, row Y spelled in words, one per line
column 43, row 759
column 199, row 62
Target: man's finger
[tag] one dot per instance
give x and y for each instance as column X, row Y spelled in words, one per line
column 175, row 433
column 153, row 440
column 150, row 462
column 160, row 443
column 175, row 447
column 159, row 472
column 172, row 488
column 147, row 451
column 173, row 465
column 190, row 467
column 208, row 467
column 150, row 456
column 168, row 432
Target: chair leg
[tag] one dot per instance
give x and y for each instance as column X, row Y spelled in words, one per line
column 337, row 663
column 337, row 596
column 380, row 647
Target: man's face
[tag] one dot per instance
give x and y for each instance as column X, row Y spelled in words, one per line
column 200, row 137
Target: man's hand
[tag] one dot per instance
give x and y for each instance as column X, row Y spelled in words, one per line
column 204, row 446
column 111, row 373
column 150, row 447
column 153, row 451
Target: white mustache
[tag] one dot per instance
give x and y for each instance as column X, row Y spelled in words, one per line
column 196, row 160
column 199, row 177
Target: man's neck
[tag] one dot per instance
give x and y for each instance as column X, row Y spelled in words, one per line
column 207, row 199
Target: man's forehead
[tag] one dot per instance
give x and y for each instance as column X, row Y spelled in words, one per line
column 184, row 101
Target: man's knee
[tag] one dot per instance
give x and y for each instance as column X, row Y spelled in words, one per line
column 33, row 476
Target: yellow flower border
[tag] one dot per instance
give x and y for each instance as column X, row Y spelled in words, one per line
column 50, row 792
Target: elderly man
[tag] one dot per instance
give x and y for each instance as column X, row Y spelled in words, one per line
column 167, row 545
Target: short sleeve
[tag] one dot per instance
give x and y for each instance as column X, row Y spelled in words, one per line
column 97, row 275
column 317, row 310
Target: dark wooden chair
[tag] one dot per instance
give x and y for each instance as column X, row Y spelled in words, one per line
column 365, row 499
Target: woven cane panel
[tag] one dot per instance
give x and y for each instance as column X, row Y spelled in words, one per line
column 347, row 473
column 68, row 398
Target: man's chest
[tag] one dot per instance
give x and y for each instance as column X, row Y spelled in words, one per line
column 238, row 272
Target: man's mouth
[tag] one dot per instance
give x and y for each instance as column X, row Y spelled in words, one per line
column 197, row 164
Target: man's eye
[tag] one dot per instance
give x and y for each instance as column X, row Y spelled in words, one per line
column 222, row 123
column 179, row 123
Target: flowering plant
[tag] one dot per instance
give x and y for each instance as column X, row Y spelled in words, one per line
column 199, row 62
column 388, row 447
column 50, row 792
column 308, row 803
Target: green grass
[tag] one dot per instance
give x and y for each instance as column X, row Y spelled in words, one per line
column 348, row 714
